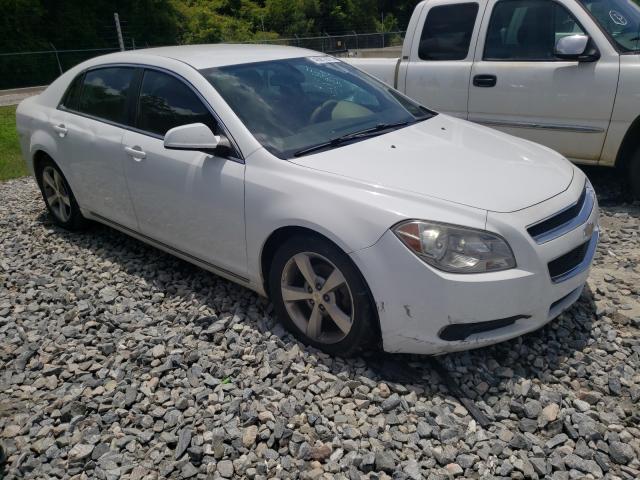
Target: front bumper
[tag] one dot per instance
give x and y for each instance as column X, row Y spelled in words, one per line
column 417, row 304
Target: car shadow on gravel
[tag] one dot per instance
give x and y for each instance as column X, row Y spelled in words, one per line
column 479, row 374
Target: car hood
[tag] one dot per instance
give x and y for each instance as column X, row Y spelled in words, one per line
column 452, row 160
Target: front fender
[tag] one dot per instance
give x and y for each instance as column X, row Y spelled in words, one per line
column 352, row 215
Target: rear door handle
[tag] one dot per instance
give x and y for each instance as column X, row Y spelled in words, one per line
column 61, row 129
column 485, row 81
column 136, row 152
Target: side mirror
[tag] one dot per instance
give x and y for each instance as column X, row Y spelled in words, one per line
column 197, row 137
column 576, row 47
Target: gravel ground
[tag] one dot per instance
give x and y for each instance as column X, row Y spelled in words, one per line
column 122, row 362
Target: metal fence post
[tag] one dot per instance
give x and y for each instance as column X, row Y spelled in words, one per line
column 116, row 18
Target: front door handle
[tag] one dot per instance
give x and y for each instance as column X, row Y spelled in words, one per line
column 61, row 129
column 136, row 152
column 485, row 81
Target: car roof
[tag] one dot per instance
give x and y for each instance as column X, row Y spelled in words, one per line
column 218, row 55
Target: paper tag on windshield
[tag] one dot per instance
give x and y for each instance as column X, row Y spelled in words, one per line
column 325, row 59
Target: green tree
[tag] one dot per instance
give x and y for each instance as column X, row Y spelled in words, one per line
column 291, row 17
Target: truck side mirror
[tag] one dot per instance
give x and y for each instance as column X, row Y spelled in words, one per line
column 576, row 47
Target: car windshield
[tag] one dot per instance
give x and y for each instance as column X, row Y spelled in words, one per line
column 301, row 105
column 620, row 19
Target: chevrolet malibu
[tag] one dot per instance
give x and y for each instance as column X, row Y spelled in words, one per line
column 368, row 219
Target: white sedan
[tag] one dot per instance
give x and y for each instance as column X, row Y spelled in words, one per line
column 366, row 218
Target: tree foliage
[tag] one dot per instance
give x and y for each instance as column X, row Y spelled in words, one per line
column 38, row 24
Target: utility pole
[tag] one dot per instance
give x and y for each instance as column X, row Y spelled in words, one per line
column 382, row 21
column 116, row 18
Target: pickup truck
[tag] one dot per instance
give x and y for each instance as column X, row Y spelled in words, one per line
column 562, row 73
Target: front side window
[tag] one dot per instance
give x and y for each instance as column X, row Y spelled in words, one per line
column 166, row 102
column 295, row 104
column 105, row 93
column 447, row 32
column 527, row 30
column 620, row 19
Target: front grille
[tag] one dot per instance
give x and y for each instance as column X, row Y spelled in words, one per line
column 567, row 262
column 543, row 231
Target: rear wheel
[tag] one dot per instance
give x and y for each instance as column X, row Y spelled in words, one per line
column 320, row 296
column 58, row 196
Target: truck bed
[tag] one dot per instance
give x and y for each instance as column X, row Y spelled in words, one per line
column 384, row 69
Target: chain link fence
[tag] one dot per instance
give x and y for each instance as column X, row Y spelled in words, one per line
column 28, row 69
column 342, row 44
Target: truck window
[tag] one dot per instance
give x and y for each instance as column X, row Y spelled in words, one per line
column 447, row 32
column 527, row 30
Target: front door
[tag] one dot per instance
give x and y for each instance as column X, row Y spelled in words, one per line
column 190, row 201
column 518, row 85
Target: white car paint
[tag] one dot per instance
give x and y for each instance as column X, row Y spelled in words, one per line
column 218, row 213
column 584, row 110
column 450, row 158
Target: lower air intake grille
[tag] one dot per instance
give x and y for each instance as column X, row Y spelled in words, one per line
column 567, row 262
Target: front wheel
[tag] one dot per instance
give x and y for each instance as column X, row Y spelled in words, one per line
column 320, row 296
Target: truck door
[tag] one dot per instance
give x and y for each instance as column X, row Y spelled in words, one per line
column 519, row 86
column 442, row 55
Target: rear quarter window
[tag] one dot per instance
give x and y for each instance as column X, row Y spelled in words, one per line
column 72, row 95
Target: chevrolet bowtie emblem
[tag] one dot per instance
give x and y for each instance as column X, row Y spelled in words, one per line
column 588, row 230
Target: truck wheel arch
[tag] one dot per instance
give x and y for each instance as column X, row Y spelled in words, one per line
column 629, row 146
column 628, row 162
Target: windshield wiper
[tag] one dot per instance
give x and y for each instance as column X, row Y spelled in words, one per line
column 367, row 132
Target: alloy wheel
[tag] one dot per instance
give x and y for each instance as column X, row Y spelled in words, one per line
column 56, row 194
column 317, row 297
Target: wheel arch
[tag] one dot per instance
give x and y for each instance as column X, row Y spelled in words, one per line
column 281, row 235
column 629, row 146
column 38, row 158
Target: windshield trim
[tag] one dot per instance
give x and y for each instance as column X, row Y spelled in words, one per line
column 356, row 137
column 618, row 48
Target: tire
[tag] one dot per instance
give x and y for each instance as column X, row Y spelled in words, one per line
column 633, row 177
column 339, row 314
column 58, row 197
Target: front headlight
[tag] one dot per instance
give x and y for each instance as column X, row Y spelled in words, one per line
column 456, row 249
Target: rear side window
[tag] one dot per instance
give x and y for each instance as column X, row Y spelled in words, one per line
column 166, row 102
column 527, row 30
column 72, row 95
column 447, row 32
column 105, row 93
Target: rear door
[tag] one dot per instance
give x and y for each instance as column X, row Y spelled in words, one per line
column 91, row 130
column 442, row 56
column 520, row 87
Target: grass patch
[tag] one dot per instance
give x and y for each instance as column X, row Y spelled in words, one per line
column 11, row 163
